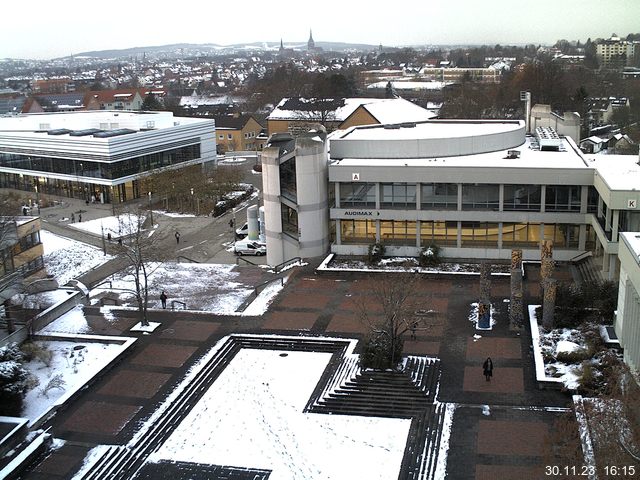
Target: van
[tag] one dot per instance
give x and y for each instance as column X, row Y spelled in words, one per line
column 249, row 247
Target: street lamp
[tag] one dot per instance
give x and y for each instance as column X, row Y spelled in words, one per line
column 35, row 185
column 150, row 210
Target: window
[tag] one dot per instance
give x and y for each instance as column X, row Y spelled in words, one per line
column 563, row 235
column 563, row 198
column 439, row 233
column 288, row 187
column 289, row 220
column 522, row 197
column 398, row 195
column 398, row 232
column 229, row 136
column 592, row 199
column 477, row 196
column 221, row 137
column 439, row 196
column 479, row 234
column 357, row 195
column 520, row 235
column 357, row 231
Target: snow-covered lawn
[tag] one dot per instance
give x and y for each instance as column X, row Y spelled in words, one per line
column 118, row 226
column 252, row 416
column 550, row 345
column 76, row 363
column 405, row 264
column 67, row 259
column 206, row 287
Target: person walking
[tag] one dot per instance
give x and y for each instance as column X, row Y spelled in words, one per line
column 414, row 325
column 487, row 368
column 177, row 237
column 79, row 217
column 73, row 218
column 163, row 299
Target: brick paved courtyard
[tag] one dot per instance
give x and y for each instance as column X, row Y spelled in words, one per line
column 505, row 444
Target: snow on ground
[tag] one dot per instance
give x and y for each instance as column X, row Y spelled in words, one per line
column 207, row 287
column 473, row 316
column 75, row 366
column 71, row 322
column 118, row 226
column 67, row 259
column 44, row 300
column 252, row 416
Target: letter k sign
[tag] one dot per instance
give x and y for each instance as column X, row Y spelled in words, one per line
column 632, row 203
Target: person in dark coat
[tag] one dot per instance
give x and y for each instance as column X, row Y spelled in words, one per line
column 163, row 299
column 487, row 368
column 177, row 237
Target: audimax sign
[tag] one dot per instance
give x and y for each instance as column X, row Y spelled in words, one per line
column 361, row 213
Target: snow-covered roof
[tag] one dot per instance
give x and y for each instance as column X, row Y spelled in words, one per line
column 529, row 157
column 620, row 172
column 385, row 110
column 594, row 139
column 633, row 240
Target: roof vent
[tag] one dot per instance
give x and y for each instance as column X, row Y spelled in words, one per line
column 513, row 154
column 391, row 127
column 408, row 125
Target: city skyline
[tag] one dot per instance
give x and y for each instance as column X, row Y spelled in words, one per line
column 56, row 32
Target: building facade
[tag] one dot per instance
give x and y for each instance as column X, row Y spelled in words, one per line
column 627, row 324
column 100, row 154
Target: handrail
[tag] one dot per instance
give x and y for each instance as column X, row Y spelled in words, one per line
column 245, row 260
column 187, row 258
column 286, row 263
column 243, row 306
column 173, row 304
column 580, row 257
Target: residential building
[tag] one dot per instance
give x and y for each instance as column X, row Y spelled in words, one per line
column 293, row 115
column 601, row 109
column 21, row 250
column 237, row 133
column 615, row 53
column 98, row 153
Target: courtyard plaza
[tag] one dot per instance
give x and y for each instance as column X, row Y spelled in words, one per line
column 498, row 429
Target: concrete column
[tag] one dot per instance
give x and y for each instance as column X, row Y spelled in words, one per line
column 338, row 233
column 584, row 199
column 582, row 240
column 607, row 223
column 418, row 196
column 543, row 198
column 337, row 190
column 459, row 235
column 605, row 262
column 500, row 235
column 378, row 196
column 501, row 198
column 614, row 225
column 612, row 267
column 459, row 202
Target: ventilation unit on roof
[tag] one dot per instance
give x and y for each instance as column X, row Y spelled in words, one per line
column 513, row 154
column 548, row 139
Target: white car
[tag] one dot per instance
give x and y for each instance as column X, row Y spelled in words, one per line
column 248, row 247
column 243, row 231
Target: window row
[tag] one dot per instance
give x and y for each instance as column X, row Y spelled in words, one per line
column 444, row 196
column 112, row 170
column 471, row 234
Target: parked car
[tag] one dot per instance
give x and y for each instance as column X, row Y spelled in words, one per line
column 249, row 247
column 243, row 231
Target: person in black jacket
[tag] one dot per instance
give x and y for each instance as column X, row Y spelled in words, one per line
column 487, row 368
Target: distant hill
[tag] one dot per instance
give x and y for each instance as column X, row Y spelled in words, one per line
column 191, row 48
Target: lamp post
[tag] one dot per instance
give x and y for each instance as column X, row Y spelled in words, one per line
column 192, row 198
column 35, row 185
column 104, row 244
column 150, row 210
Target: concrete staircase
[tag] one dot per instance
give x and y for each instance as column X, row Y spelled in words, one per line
column 585, row 270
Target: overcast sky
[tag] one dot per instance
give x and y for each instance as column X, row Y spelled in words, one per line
column 47, row 29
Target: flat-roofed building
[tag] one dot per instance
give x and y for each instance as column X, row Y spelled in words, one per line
column 102, row 154
column 627, row 324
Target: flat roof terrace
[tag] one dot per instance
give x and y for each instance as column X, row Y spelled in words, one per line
column 430, row 139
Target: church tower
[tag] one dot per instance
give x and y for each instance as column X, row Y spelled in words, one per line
column 311, row 45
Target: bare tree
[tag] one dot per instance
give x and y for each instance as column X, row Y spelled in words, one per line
column 138, row 251
column 400, row 308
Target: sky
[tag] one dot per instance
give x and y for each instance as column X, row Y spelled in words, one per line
column 43, row 29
